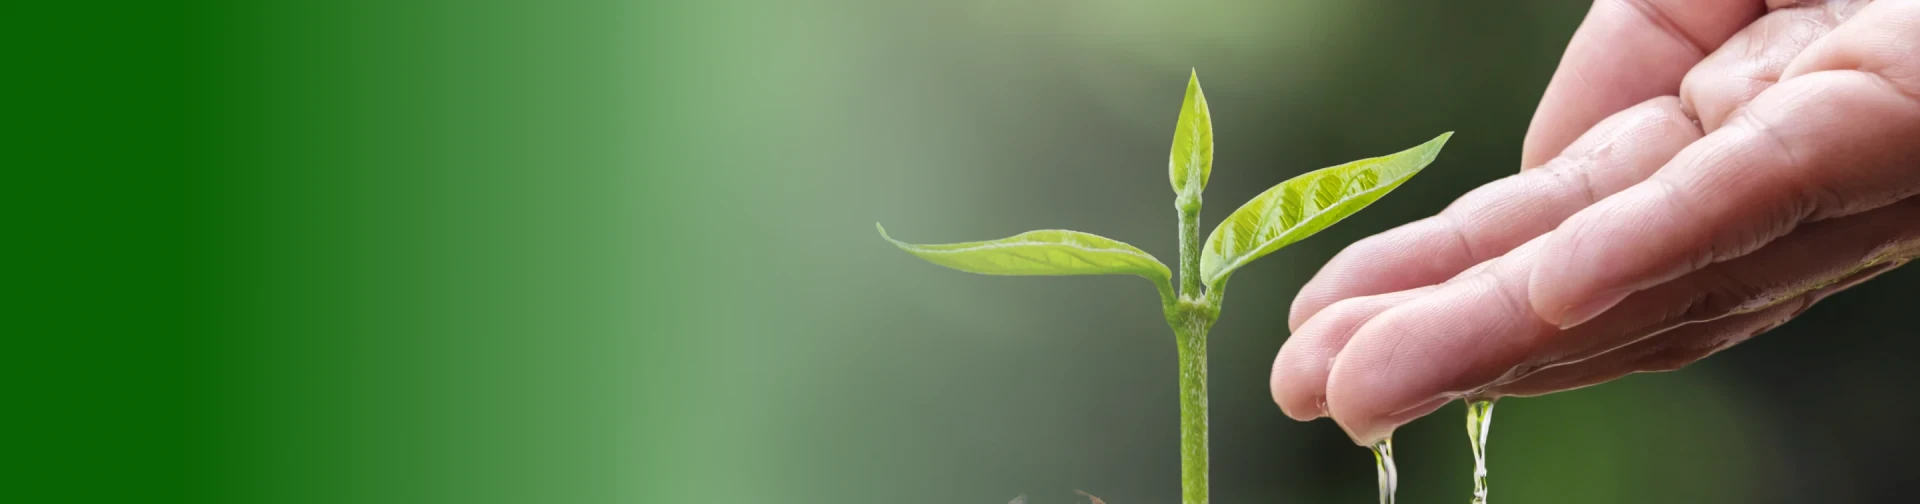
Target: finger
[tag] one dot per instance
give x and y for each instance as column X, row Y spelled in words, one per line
column 1477, row 331
column 1677, row 348
column 1813, row 256
column 1747, row 63
column 1666, row 352
column 1882, row 39
column 1626, row 52
column 1491, row 220
column 1755, row 58
column 1410, row 359
column 1757, row 66
column 1813, row 147
column 1299, row 380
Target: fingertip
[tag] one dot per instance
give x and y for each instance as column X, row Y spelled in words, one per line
column 1292, row 391
column 1299, row 378
column 1367, row 383
column 1409, row 359
column 1366, row 431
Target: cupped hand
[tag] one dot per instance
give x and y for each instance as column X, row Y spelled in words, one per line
column 1699, row 172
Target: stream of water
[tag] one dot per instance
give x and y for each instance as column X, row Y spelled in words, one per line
column 1479, row 419
column 1389, row 475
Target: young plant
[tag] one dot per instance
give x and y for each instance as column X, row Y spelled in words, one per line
column 1282, row 215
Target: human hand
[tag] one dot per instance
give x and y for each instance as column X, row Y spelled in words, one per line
column 1754, row 158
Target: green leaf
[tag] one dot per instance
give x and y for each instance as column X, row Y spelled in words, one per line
column 1050, row 252
column 1300, row 207
column 1191, row 161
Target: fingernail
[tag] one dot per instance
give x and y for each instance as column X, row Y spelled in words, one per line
column 1581, row 313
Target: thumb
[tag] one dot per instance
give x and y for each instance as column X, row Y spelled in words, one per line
column 1822, row 145
column 1626, row 52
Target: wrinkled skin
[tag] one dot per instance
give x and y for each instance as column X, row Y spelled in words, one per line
column 1698, row 172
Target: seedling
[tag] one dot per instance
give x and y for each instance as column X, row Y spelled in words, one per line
column 1280, row 216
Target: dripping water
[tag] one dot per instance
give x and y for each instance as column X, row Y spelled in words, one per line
column 1479, row 419
column 1389, row 476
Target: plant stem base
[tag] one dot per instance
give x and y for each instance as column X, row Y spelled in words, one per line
column 1191, row 332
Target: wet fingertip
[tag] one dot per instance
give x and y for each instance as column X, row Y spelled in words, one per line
column 1351, row 435
column 1298, row 387
column 1365, row 434
column 1315, row 411
column 1368, row 431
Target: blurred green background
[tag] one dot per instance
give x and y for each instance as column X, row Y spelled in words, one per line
column 586, row 251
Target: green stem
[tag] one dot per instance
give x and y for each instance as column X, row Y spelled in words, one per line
column 1190, row 319
column 1191, row 331
column 1189, row 206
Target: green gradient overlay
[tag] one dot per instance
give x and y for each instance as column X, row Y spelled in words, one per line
column 596, row 252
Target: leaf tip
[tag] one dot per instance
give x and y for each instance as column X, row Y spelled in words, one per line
column 1432, row 147
column 889, row 239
